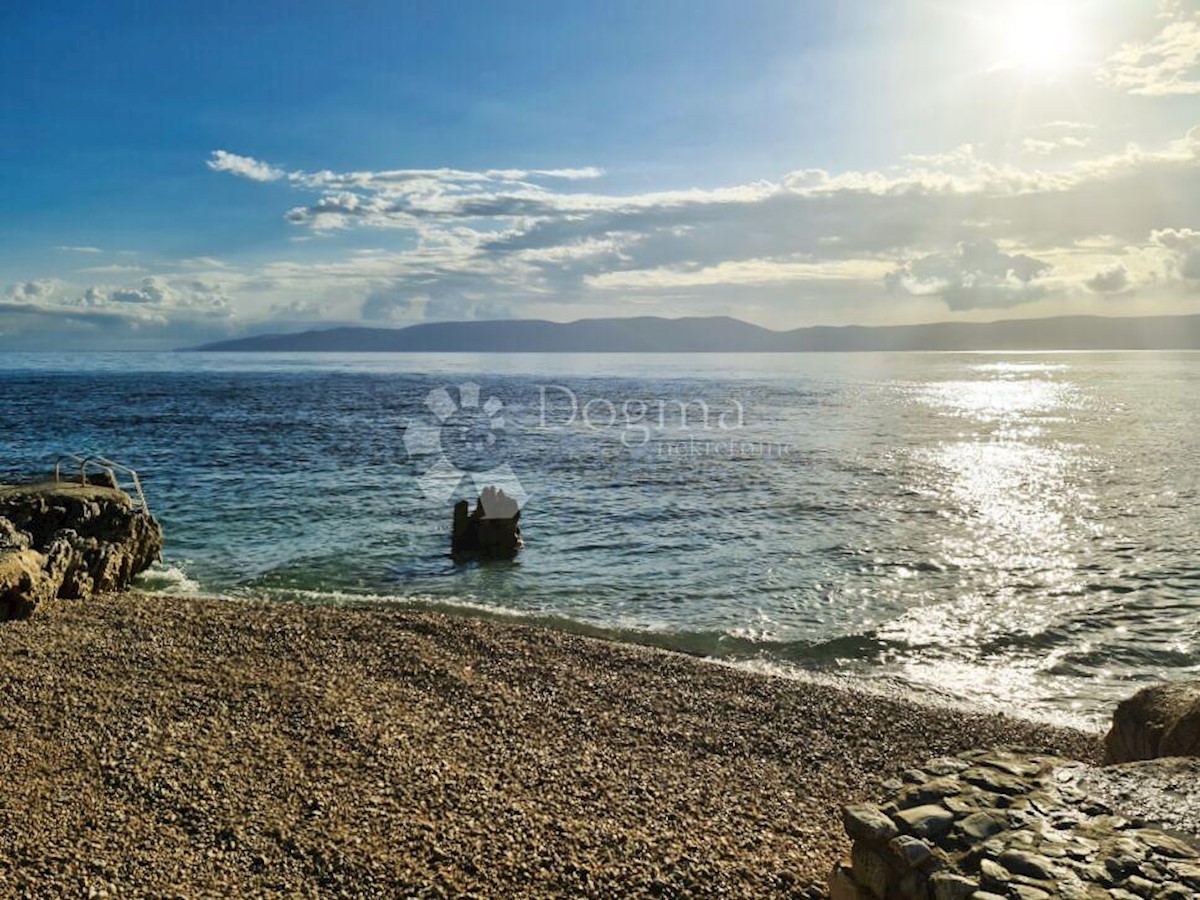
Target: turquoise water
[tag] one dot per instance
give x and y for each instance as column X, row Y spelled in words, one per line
column 1010, row 529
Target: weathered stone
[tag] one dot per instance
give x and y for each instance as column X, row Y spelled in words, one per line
column 1143, row 887
column 866, row 823
column 1188, row 873
column 948, row 886
column 871, row 869
column 993, row 874
column 1022, row 862
column 1052, row 838
column 842, row 886
column 1163, row 720
column 926, row 821
column 980, row 826
column 944, row 765
column 909, row 852
column 1173, row 891
column 69, row 540
column 913, row 885
column 1165, row 845
column 995, row 781
column 930, row 791
column 11, row 538
column 1011, row 765
column 23, row 583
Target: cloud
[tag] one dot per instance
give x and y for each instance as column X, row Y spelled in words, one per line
column 974, row 274
column 113, row 269
column 1112, row 280
column 31, row 291
column 502, row 242
column 154, row 312
column 1184, row 243
column 153, row 298
column 1047, row 147
column 245, row 166
column 1167, row 64
column 959, row 232
column 68, row 249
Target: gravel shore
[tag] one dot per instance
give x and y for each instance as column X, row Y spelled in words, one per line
column 155, row 746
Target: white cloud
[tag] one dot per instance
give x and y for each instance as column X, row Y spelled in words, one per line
column 957, row 229
column 37, row 291
column 69, row 249
column 1047, row 147
column 1184, row 243
column 113, row 269
column 1166, row 64
column 975, row 274
column 245, row 166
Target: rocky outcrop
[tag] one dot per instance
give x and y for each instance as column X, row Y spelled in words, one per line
column 1163, row 720
column 492, row 530
column 1010, row 824
column 69, row 540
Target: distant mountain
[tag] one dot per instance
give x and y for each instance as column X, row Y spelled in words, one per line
column 651, row 334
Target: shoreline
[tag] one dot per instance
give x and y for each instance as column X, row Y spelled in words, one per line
column 158, row 744
column 871, row 682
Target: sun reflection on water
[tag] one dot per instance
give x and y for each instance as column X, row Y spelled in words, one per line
column 1015, row 503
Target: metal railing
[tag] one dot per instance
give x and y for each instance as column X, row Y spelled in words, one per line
column 113, row 469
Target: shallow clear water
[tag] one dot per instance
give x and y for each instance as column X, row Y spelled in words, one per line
column 1011, row 529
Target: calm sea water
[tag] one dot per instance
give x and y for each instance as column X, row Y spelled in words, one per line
column 1019, row 530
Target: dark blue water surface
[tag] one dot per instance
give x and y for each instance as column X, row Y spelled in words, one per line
column 1018, row 529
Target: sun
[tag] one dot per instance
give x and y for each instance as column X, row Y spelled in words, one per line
column 1039, row 38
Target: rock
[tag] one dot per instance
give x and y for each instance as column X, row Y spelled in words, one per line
column 947, row 886
column 1163, row 720
column 492, row 530
column 926, row 821
column 69, row 540
column 870, row 869
column 980, row 826
column 1042, row 828
column 866, row 823
column 1030, row 865
column 11, row 538
column 23, row 583
column 842, row 886
column 909, row 852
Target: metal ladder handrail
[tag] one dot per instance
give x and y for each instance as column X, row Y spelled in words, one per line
column 108, row 466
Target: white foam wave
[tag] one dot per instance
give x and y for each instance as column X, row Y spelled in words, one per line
column 167, row 579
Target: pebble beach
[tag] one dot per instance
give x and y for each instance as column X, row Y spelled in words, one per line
column 168, row 746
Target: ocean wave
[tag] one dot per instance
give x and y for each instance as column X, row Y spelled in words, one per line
column 167, row 579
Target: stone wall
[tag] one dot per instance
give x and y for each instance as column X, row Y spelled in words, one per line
column 1008, row 824
column 69, row 540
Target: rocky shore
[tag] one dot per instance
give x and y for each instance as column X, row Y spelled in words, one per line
column 70, row 540
column 155, row 746
column 996, row 824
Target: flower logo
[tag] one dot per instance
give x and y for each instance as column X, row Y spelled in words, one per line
column 466, row 440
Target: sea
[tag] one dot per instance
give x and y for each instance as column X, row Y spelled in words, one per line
column 1012, row 531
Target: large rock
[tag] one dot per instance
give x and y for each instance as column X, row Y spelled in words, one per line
column 1163, row 720
column 1016, row 824
column 63, row 539
column 492, row 530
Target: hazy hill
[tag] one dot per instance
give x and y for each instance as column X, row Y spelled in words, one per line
column 650, row 334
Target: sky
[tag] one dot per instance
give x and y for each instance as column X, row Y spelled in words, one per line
column 177, row 173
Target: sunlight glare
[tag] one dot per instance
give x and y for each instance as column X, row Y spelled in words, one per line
column 1039, row 38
